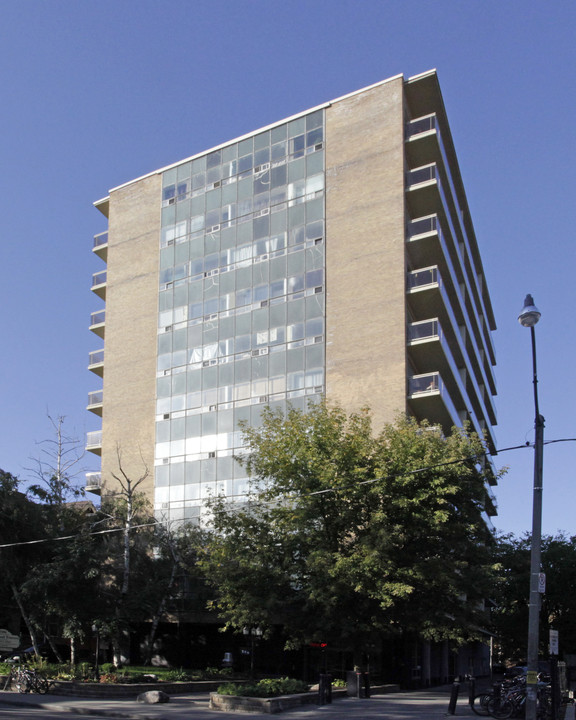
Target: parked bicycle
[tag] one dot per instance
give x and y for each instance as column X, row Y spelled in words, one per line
column 27, row 680
column 508, row 700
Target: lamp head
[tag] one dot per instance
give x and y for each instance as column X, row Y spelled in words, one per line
column 530, row 313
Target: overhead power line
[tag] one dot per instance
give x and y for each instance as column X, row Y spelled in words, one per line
column 316, row 492
column 73, row 537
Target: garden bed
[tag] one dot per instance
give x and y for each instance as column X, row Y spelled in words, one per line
column 113, row 690
column 280, row 703
column 237, row 703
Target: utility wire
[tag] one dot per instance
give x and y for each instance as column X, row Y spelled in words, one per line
column 316, row 492
column 72, row 537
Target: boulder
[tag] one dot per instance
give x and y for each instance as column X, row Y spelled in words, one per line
column 153, row 696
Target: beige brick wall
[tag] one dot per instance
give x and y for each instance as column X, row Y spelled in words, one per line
column 365, row 255
column 131, row 327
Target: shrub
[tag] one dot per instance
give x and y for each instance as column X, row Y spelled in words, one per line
column 83, row 670
column 268, row 687
column 176, row 675
column 109, row 678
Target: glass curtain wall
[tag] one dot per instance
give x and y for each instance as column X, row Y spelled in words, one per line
column 241, row 321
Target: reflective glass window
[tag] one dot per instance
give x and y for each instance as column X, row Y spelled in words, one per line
column 250, row 319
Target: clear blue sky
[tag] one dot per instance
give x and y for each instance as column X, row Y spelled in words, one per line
column 94, row 94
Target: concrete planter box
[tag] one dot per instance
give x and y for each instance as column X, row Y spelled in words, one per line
column 113, row 690
column 237, row 703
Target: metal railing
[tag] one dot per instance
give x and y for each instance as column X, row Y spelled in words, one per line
column 101, row 239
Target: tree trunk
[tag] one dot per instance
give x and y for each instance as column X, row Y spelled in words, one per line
column 54, row 648
column 159, row 612
column 26, row 620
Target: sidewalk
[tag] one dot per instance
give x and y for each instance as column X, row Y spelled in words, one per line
column 424, row 705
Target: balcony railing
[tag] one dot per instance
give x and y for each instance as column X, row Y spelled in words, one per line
column 94, row 441
column 421, row 125
column 100, row 239
column 428, row 173
column 422, row 226
column 93, row 482
column 422, row 175
column 431, row 330
column 424, row 277
column 426, row 124
column 100, row 246
column 99, row 278
column 424, row 330
column 420, row 386
column 97, row 318
column 96, row 357
column 96, row 397
column 99, row 284
column 431, row 224
column 96, row 362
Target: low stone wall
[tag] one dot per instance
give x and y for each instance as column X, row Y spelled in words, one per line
column 112, row 690
column 236, row 703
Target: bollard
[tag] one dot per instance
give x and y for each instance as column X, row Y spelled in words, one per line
column 325, row 689
column 471, row 689
column 366, row 685
column 453, row 697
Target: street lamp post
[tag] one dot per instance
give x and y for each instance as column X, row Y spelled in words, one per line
column 528, row 318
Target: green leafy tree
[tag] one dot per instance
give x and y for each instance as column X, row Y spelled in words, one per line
column 347, row 533
column 45, row 586
column 63, row 591
column 129, row 585
column 22, row 532
column 175, row 568
column 51, row 581
column 558, row 562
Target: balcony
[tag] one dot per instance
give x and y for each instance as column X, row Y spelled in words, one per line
column 421, row 125
column 96, row 362
column 425, row 146
column 428, row 245
column 94, row 442
column 93, row 483
column 429, row 295
column 426, row 196
column 95, row 401
column 97, row 322
column 423, row 140
column 430, row 352
column 429, row 398
column 100, row 246
column 103, row 205
column 99, row 284
column 424, row 191
column 422, row 279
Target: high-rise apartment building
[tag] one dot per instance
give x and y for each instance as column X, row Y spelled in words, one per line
column 329, row 254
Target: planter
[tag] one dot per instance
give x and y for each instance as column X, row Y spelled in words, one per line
column 237, row 703
column 113, row 690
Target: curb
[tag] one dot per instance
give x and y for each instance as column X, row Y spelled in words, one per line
column 78, row 710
